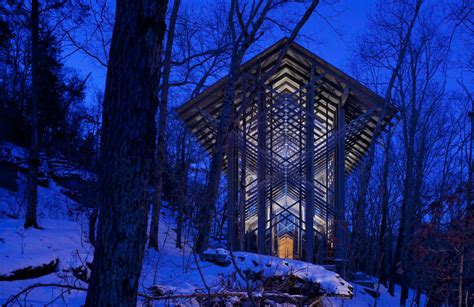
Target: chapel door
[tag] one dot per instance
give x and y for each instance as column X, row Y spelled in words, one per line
column 285, row 247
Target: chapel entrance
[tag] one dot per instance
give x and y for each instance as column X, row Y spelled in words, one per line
column 285, row 246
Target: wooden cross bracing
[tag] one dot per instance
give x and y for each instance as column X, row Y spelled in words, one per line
column 296, row 131
column 285, row 156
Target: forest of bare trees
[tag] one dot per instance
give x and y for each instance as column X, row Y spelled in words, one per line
column 409, row 203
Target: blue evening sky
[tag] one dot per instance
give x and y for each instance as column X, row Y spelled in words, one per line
column 348, row 17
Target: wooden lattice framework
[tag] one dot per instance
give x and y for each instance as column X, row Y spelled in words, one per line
column 298, row 129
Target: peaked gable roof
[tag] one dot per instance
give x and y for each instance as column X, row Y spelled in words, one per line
column 294, row 72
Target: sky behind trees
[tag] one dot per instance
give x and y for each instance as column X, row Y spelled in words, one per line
column 331, row 37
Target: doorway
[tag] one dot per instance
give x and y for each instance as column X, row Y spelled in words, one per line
column 285, row 246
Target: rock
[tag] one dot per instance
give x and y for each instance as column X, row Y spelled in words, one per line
column 218, row 256
column 160, row 290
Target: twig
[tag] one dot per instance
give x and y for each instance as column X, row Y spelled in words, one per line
column 15, row 297
column 87, row 52
column 200, row 273
column 249, row 290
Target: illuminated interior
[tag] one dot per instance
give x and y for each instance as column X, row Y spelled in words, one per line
column 299, row 126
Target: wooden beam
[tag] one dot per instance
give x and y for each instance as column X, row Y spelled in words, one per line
column 261, row 208
column 309, row 205
column 340, row 180
column 232, row 189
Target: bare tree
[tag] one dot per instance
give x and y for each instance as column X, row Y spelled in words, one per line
column 397, row 25
column 245, row 23
column 161, row 146
column 196, row 50
column 33, row 159
column 93, row 33
column 383, row 236
column 32, row 29
column 128, row 138
column 419, row 97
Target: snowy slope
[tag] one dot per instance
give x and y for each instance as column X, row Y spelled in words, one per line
column 58, row 239
column 172, row 267
column 177, row 268
column 20, row 248
column 64, row 239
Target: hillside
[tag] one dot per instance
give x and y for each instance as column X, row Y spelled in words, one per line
column 62, row 249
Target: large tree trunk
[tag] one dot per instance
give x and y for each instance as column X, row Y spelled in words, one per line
column 160, row 152
column 128, row 138
column 33, row 160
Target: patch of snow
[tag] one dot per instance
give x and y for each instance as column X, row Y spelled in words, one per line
column 21, row 247
column 217, row 251
column 270, row 266
column 173, row 269
column 52, row 201
column 362, row 299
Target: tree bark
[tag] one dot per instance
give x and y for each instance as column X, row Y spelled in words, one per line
column 161, row 147
column 33, row 160
column 128, row 138
column 385, row 199
column 182, row 184
column 92, row 223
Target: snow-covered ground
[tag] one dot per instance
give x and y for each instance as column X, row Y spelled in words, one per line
column 64, row 238
column 20, row 248
column 172, row 267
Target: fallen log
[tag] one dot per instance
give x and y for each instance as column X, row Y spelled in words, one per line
column 31, row 271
